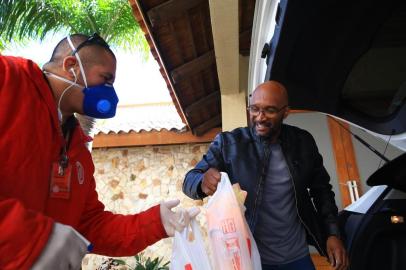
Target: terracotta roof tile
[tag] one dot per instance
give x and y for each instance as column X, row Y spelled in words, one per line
column 142, row 117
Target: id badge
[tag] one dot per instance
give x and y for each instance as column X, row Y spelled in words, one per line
column 60, row 181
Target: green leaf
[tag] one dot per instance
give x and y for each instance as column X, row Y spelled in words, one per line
column 34, row 19
column 143, row 263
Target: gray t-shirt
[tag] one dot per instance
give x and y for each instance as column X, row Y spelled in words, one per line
column 280, row 236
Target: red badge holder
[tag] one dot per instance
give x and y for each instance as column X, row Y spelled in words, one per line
column 60, row 181
column 61, row 178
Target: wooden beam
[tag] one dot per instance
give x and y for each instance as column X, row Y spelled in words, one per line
column 346, row 163
column 301, row 111
column 140, row 16
column 339, row 155
column 245, row 42
column 196, row 65
column 170, row 10
column 203, row 102
column 143, row 138
column 186, row 70
column 190, row 31
column 209, row 124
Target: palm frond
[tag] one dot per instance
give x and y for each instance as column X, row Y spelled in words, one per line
column 34, row 19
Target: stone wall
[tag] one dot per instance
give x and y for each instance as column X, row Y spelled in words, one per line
column 133, row 179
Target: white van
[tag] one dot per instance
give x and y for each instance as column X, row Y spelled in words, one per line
column 347, row 59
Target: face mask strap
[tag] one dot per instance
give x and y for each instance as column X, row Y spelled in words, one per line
column 66, row 89
column 64, row 79
column 63, row 93
column 77, row 57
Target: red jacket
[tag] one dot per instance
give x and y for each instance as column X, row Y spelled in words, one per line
column 30, row 142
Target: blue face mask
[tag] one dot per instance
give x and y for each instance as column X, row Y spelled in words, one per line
column 100, row 101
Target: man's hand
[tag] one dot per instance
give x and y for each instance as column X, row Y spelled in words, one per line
column 211, row 178
column 64, row 250
column 336, row 253
column 176, row 220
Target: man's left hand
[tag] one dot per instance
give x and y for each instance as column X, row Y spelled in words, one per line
column 336, row 253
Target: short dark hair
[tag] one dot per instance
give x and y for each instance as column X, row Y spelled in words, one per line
column 63, row 49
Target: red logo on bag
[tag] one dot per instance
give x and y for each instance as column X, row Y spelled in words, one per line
column 228, row 226
column 249, row 246
column 188, row 267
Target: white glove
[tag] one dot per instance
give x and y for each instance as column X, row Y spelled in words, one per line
column 65, row 249
column 176, row 220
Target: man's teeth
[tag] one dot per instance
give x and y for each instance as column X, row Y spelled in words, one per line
column 262, row 125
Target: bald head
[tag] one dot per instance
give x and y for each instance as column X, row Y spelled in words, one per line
column 268, row 107
column 271, row 88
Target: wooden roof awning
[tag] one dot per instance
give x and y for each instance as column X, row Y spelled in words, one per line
column 180, row 36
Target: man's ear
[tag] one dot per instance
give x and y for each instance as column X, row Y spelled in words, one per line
column 286, row 113
column 69, row 64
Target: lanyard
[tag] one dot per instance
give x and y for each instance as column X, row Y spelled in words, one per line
column 60, row 168
column 67, row 129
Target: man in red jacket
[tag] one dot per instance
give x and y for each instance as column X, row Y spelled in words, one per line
column 47, row 189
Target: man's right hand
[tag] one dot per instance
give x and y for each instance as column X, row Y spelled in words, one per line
column 211, row 178
column 64, row 250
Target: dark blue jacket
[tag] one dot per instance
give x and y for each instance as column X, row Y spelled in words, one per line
column 245, row 158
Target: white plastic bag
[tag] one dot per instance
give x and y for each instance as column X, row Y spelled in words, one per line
column 232, row 244
column 188, row 251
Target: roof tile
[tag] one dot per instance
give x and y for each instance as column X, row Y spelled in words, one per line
column 146, row 117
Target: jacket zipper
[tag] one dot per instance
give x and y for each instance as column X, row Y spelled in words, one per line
column 266, row 160
column 300, row 218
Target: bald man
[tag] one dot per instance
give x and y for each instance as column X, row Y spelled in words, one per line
column 290, row 202
column 50, row 216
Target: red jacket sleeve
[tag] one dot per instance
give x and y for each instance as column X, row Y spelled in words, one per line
column 111, row 234
column 120, row 235
column 22, row 235
column 23, row 232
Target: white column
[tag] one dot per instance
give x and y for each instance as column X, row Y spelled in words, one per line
column 224, row 20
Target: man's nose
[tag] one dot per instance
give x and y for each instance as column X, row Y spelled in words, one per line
column 261, row 115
